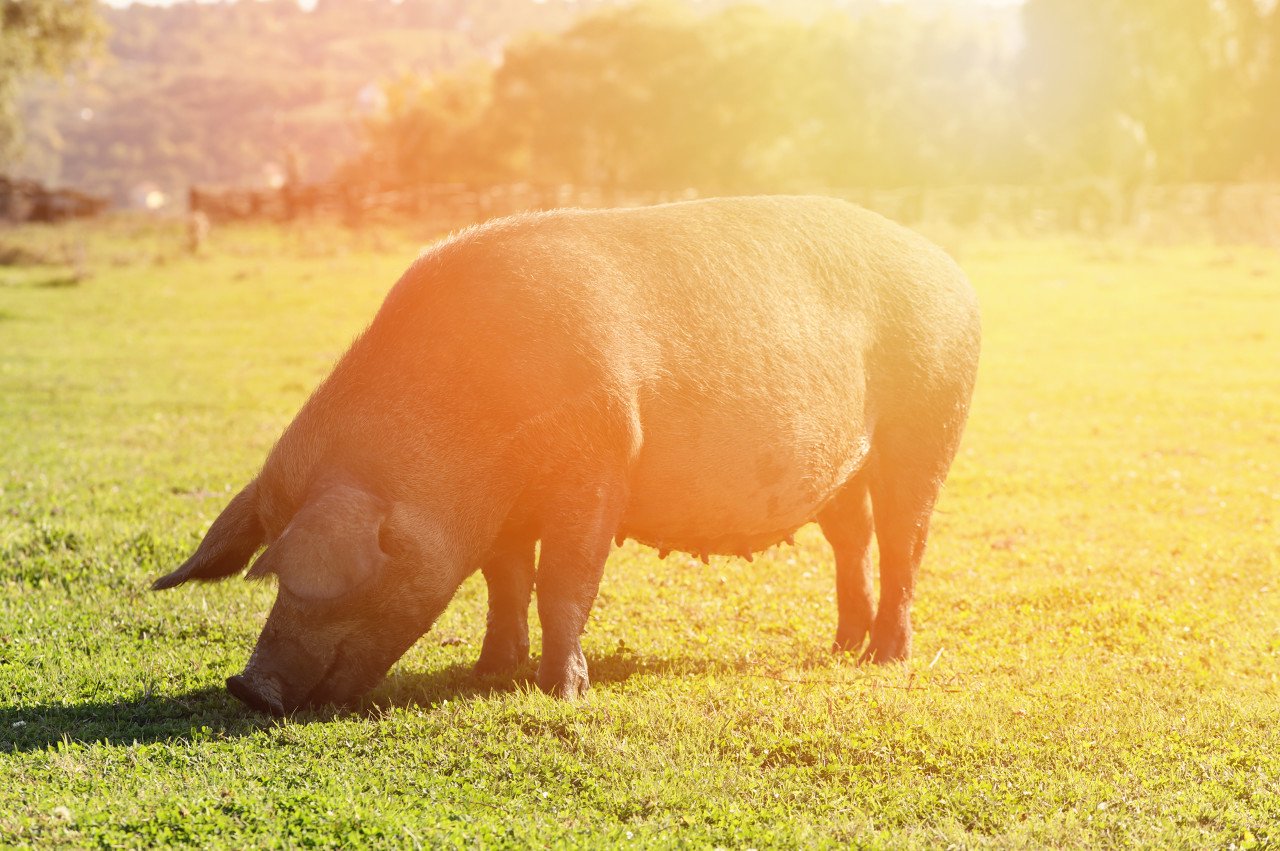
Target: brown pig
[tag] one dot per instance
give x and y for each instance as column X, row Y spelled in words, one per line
column 705, row 376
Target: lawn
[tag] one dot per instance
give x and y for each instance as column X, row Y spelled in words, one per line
column 1098, row 621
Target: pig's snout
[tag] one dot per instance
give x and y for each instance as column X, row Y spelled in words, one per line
column 256, row 692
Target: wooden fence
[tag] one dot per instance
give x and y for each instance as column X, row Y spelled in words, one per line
column 442, row 206
column 29, row 201
column 1229, row 212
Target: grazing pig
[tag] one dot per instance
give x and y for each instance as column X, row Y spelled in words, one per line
column 705, row 376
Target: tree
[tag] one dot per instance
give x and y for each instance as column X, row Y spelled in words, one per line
column 1247, row 128
column 747, row 98
column 592, row 105
column 428, row 130
column 656, row 96
column 1095, row 69
column 39, row 36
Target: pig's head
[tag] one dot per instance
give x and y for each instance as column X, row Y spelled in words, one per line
column 360, row 580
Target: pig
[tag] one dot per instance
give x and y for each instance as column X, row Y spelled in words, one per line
column 705, row 376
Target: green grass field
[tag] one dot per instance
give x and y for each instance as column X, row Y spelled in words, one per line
column 1098, row 623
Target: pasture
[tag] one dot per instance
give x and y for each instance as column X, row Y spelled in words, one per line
column 1097, row 652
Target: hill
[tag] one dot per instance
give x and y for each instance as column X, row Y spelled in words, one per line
column 222, row 92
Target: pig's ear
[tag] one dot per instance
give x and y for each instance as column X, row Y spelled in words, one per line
column 228, row 545
column 331, row 546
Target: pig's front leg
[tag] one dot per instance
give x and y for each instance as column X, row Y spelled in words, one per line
column 509, row 575
column 576, row 537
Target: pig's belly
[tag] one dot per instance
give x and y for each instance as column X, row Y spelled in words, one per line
column 738, row 478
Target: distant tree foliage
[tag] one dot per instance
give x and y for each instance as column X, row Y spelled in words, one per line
column 717, row 95
column 747, row 97
column 39, row 36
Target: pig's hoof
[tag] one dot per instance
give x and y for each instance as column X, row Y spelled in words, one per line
column 501, row 657
column 567, row 680
column 888, row 647
column 849, row 641
column 856, row 619
column 567, row 688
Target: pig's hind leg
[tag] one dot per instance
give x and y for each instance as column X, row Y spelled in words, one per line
column 908, row 466
column 848, row 525
column 509, row 575
column 906, row 478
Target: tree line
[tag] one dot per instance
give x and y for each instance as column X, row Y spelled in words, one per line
column 711, row 95
column 747, row 98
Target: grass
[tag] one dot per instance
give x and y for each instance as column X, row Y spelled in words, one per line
column 1098, row 626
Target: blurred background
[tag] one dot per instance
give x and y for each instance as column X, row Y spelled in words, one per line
column 1160, row 117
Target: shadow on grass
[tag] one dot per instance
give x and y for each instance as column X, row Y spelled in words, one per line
column 51, row 282
column 58, row 282
column 212, row 714
column 13, row 255
column 458, row 682
column 208, row 713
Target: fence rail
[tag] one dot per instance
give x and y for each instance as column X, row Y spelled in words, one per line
column 448, row 206
column 1229, row 212
column 29, row 201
